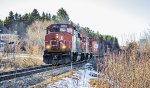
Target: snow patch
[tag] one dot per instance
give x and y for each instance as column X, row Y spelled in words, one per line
column 80, row 79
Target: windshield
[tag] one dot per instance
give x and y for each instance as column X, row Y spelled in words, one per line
column 59, row 28
column 54, row 29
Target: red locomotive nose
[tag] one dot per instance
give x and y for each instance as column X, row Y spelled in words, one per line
column 56, row 36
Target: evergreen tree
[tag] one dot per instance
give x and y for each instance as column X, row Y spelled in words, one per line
column 46, row 16
column 1, row 22
column 19, row 17
column 16, row 16
column 54, row 19
column 35, row 14
column 62, row 16
column 31, row 17
column 43, row 16
column 49, row 16
column 108, row 37
column 116, row 43
column 101, row 38
column 7, row 22
column 11, row 16
column 26, row 17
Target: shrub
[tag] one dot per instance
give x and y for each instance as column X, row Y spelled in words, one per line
column 130, row 69
column 35, row 37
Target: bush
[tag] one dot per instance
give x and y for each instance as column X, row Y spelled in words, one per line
column 130, row 69
column 35, row 37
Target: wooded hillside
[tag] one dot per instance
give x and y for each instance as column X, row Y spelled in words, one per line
column 17, row 23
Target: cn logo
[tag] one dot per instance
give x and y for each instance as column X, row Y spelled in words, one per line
column 95, row 46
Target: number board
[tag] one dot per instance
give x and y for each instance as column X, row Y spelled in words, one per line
column 64, row 26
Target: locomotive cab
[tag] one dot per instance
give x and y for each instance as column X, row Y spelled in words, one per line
column 58, row 43
column 58, row 37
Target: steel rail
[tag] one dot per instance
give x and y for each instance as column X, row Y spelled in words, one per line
column 32, row 70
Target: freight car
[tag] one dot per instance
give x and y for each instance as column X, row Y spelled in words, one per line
column 65, row 44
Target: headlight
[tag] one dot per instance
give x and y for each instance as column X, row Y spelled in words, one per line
column 56, row 36
column 63, row 47
column 48, row 46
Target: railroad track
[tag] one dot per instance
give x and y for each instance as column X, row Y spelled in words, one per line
column 29, row 71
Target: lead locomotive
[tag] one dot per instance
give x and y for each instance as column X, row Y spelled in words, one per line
column 63, row 44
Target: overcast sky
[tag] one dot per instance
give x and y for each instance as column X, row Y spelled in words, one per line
column 120, row 18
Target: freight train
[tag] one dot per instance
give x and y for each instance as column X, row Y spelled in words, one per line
column 65, row 44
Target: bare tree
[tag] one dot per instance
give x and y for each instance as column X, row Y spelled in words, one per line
column 35, row 36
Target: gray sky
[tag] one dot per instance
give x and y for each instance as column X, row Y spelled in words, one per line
column 125, row 19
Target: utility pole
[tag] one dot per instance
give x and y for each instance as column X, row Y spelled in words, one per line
column 13, row 45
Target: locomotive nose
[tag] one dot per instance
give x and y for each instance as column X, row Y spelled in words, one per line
column 56, row 36
column 55, row 47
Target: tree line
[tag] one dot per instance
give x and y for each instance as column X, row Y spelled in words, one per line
column 60, row 17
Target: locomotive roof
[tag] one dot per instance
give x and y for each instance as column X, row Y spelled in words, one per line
column 59, row 25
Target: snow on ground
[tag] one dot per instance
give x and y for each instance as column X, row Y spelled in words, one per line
column 80, row 79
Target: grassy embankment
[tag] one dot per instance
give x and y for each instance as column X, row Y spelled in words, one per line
column 129, row 69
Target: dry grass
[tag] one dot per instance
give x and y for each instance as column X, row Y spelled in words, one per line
column 99, row 83
column 52, row 79
column 130, row 69
column 21, row 63
column 27, row 62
